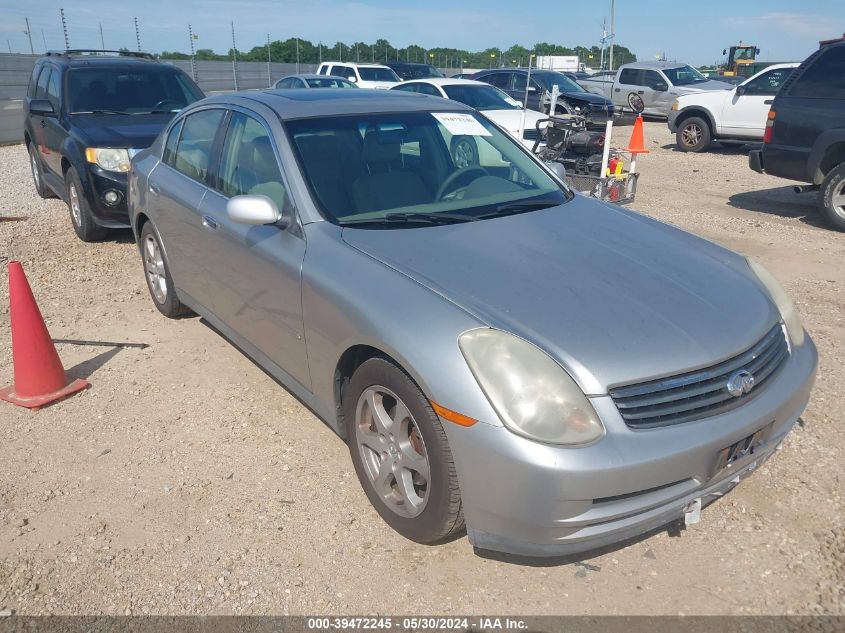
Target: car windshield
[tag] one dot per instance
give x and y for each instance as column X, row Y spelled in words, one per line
column 329, row 82
column 129, row 90
column 684, row 76
column 549, row 79
column 377, row 74
column 418, row 168
column 481, row 97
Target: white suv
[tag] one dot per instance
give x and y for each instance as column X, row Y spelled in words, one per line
column 737, row 115
column 365, row 75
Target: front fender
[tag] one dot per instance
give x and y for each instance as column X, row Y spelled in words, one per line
column 695, row 110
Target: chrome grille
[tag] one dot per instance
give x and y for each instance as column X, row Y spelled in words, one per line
column 702, row 393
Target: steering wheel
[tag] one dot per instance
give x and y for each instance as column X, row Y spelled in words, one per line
column 451, row 178
column 160, row 105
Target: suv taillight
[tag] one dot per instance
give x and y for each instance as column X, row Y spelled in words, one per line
column 770, row 126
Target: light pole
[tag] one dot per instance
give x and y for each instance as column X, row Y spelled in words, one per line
column 191, row 38
column 29, row 35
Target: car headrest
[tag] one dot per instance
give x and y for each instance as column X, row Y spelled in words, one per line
column 264, row 160
column 318, row 147
column 381, row 147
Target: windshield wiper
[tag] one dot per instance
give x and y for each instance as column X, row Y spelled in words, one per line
column 519, row 206
column 101, row 112
column 415, row 218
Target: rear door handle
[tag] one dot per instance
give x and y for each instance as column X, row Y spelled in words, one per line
column 209, row 222
column 43, row 123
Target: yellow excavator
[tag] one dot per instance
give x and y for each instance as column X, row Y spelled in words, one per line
column 739, row 57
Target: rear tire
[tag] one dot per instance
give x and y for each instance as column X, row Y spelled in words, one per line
column 391, row 428
column 37, row 169
column 80, row 213
column 693, row 135
column 157, row 274
column 832, row 197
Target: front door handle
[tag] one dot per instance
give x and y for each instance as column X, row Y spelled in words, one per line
column 43, row 123
column 617, row 89
column 154, row 189
column 768, row 102
column 209, row 222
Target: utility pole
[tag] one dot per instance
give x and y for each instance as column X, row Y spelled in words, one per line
column 297, row 55
column 269, row 76
column 9, row 44
column 102, row 39
column 319, row 52
column 64, row 28
column 612, row 31
column 191, row 38
column 373, row 48
column 234, row 57
column 137, row 35
column 29, row 35
column 44, row 37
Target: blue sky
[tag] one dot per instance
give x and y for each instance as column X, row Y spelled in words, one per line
column 784, row 30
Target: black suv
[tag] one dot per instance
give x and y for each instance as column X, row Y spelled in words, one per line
column 86, row 114
column 410, row 70
column 805, row 132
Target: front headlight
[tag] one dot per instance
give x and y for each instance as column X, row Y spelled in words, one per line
column 532, row 394
column 782, row 301
column 675, row 105
column 109, row 158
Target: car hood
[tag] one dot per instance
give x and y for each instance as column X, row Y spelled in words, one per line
column 587, row 97
column 115, row 130
column 704, row 86
column 510, row 119
column 614, row 296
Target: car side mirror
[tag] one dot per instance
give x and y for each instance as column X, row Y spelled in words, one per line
column 255, row 210
column 741, row 90
column 558, row 170
column 532, row 89
column 353, row 79
column 41, row 107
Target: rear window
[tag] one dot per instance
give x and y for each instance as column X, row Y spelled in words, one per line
column 129, row 90
column 824, row 79
column 630, row 77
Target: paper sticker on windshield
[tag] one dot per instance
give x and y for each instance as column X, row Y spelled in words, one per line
column 459, row 124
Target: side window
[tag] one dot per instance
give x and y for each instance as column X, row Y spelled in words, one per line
column 652, row 79
column 285, row 83
column 630, row 77
column 519, row 82
column 41, row 88
column 249, row 165
column 169, row 156
column 500, row 80
column 428, row 89
column 193, row 154
column 33, row 81
column 824, row 78
column 768, row 83
column 342, row 71
column 407, row 87
column 54, row 89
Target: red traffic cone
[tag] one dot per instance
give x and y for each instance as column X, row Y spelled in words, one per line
column 39, row 376
column 637, row 145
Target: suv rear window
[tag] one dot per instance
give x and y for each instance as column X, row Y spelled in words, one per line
column 824, row 79
column 130, row 90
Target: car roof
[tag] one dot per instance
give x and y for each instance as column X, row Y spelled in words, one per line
column 79, row 59
column 356, row 64
column 302, row 104
column 654, row 65
column 312, row 76
column 445, row 81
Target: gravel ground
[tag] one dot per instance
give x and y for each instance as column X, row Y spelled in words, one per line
column 185, row 480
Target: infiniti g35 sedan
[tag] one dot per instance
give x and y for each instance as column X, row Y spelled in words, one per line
column 553, row 373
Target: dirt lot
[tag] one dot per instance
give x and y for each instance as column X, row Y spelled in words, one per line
column 185, row 480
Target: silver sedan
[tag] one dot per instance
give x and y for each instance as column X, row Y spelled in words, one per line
column 551, row 372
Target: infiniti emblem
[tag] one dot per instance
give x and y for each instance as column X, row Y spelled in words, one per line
column 740, row 383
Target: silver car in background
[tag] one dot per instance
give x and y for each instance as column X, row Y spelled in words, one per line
column 555, row 373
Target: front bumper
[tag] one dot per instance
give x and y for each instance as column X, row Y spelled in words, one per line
column 671, row 117
column 531, row 499
column 98, row 182
column 755, row 160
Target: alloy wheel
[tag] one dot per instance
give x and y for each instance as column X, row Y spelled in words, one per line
column 837, row 201
column 75, row 209
column 392, row 451
column 154, row 265
column 36, row 173
column 691, row 135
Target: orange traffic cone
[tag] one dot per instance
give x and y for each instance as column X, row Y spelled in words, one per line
column 637, row 145
column 39, row 376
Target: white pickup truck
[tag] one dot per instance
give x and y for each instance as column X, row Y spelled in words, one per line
column 658, row 84
column 737, row 115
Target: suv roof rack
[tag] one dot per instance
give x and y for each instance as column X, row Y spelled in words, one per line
column 98, row 52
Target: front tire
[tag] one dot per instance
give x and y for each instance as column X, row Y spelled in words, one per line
column 80, row 213
column 35, row 166
column 157, row 274
column 832, row 197
column 400, row 453
column 693, row 135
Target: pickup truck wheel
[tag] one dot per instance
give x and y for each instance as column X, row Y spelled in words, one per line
column 832, row 197
column 693, row 135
